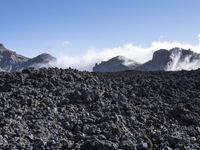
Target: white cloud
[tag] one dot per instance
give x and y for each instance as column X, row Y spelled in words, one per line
column 198, row 36
column 130, row 50
column 66, row 44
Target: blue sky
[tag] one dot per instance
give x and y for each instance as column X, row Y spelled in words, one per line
column 31, row 27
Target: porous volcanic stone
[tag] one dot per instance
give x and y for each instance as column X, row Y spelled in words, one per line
column 68, row 109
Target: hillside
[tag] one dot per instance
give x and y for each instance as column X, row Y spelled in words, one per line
column 116, row 64
column 162, row 60
column 10, row 61
column 68, row 109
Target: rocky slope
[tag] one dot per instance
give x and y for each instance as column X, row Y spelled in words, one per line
column 116, row 64
column 174, row 59
column 163, row 60
column 10, row 61
column 68, row 109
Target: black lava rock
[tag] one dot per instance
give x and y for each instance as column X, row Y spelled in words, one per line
column 68, row 109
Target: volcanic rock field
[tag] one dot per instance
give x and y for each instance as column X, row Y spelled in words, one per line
column 68, row 109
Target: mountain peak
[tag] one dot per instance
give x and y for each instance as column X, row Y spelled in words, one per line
column 2, row 48
column 44, row 57
column 115, row 64
column 173, row 59
column 182, row 51
column 119, row 57
column 11, row 61
column 177, row 48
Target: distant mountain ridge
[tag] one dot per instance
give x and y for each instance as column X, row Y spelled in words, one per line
column 115, row 64
column 162, row 60
column 10, row 61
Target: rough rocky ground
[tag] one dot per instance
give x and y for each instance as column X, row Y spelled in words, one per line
column 68, row 109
